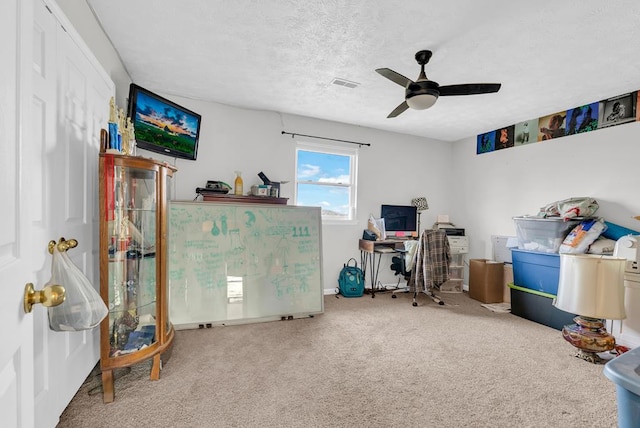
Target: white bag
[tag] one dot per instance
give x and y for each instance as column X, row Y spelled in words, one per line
column 572, row 207
column 83, row 308
column 376, row 226
column 583, row 235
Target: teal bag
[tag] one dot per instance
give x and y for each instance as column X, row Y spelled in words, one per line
column 351, row 280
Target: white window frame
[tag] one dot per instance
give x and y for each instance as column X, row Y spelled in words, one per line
column 352, row 186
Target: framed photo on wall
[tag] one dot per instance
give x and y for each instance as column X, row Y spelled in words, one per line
column 582, row 119
column 552, row 126
column 486, row 142
column 504, row 137
column 617, row 110
column 526, row 132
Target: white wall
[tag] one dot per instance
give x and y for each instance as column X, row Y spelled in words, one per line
column 251, row 141
column 492, row 188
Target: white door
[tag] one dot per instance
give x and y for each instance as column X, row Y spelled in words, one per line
column 53, row 102
column 16, row 268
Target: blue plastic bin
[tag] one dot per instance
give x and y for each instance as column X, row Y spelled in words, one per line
column 624, row 371
column 536, row 271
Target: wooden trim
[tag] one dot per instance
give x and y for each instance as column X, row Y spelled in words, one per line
column 235, row 199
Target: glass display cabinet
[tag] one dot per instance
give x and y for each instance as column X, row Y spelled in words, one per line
column 133, row 264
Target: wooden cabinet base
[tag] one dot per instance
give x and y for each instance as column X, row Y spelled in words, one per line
column 107, row 386
column 155, row 367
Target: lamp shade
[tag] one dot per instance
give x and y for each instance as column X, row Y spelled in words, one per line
column 591, row 286
column 420, row 203
column 421, row 101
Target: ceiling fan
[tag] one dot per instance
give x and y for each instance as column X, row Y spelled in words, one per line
column 423, row 93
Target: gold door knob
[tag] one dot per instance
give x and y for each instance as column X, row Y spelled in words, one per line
column 51, row 295
column 63, row 245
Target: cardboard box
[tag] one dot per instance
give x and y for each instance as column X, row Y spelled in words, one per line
column 485, row 280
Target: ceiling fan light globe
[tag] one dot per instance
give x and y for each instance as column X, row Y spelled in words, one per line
column 422, row 101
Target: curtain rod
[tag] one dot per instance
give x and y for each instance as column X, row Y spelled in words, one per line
column 293, row 134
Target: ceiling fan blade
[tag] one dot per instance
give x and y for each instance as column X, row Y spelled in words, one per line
column 469, row 89
column 394, row 77
column 401, row 108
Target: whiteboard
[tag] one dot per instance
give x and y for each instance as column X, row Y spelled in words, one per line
column 238, row 263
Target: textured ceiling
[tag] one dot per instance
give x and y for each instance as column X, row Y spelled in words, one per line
column 282, row 55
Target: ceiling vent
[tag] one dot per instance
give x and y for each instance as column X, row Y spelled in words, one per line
column 345, row 83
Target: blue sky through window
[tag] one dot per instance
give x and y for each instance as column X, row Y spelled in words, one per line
column 324, row 169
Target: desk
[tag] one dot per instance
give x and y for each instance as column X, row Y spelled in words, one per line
column 368, row 252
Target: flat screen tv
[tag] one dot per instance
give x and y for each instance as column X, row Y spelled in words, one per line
column 163, row 126
column 399, row 219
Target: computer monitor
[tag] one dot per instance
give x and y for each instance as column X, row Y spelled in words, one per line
column 399, row 220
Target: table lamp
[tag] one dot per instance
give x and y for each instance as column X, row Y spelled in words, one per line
column 592, row 287
column 421, row 205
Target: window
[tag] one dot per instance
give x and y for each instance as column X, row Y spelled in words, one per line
column 326, row 178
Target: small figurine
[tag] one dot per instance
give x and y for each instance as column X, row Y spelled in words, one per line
column 123, row 327
column 112, row 110
column 128, row 138
column 113, row 127
column 125, row 138
column 121, row 117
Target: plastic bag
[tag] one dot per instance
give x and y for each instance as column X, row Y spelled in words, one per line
column 376, row 226
column 83, row 308
column 583, row 235
column 572, row 207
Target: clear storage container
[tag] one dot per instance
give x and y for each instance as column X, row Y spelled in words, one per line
column 543, row 234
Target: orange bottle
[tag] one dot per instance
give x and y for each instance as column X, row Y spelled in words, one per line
column 238, row 183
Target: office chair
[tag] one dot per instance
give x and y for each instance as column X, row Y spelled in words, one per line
column 402, row 264
column 399, row 266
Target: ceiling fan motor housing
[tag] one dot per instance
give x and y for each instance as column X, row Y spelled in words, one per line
column 422, row 94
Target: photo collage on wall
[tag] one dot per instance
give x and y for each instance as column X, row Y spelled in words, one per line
column 591, row 117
